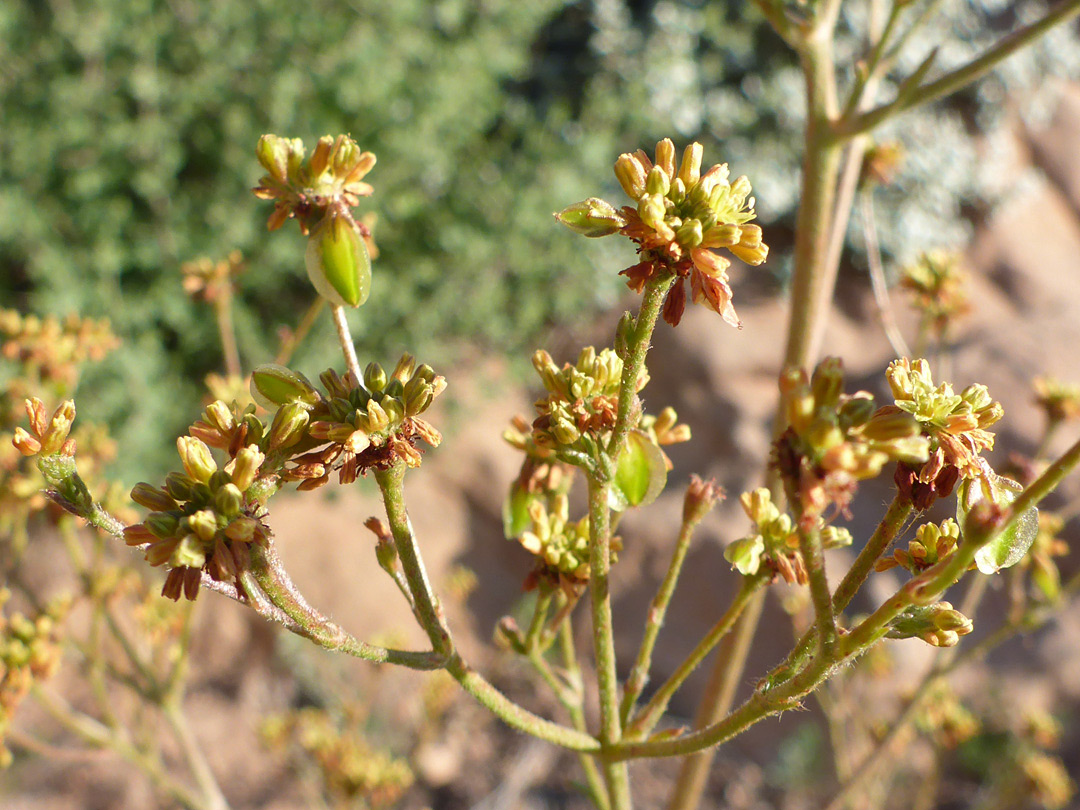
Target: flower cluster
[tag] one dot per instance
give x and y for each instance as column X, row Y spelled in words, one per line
column 30, row 650
column 932, row 544
column 318, row 191
column 359, row 426
column 937, row 282
column 560, row 546
column 679, row 217
column 947, row 719
column 305, row 186
column 582, row 401
column 352, row 771
column 939, row 625
column 211, row 281
column 202, row 520
column 50, row 350
column 1060, row 401
column 775, row 541
column 833, row 440
column 955, row 424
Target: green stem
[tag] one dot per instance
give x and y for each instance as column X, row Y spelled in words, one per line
column 536, row 626
column 814, row 557
column 594, row 782
column 275, row 584
column 200, row 768
column 341, row 323
column 929, row 585
column 223, row 310
column 960, row 77
column 430, row 613
column 616, row 775
column 651, row 713
column 639, row 675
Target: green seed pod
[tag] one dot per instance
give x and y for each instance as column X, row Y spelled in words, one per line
column 592, row 217
column 273, row 385
column 338, row 263
column 745, row 554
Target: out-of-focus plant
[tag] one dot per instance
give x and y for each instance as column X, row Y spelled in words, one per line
column 686, row 220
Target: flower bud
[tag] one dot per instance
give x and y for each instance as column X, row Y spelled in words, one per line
column 245, row 467
column 188, row 553
column 746, row 554
column 273, row 155
column 418, row 396
column 196, row 457
column 404, row 368
column 652, row 210
column 228, row 501
column 320, row 158
column 592, row 217
column 220, row 416
column 690, row 170
column 631, row 175
column 153, row 498
column 56, row 434
column 242, row 530
column 689, row 233
column 288, row 426
column 273, row 385
column 162, row 525
column 374, row 378
column 665, row 156
column 203, row 523
column 337, row 262
column 180, row 486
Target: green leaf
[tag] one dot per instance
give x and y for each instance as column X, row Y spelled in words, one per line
column 640, row 474
column 1009, row 547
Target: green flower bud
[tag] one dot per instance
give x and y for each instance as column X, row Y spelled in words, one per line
column 153, row 498
column 188, row 553
column 273, row 385
column 180, row 486
column 652, row 210
column 658, row 181
column 827, row 383
column 835, row 537
column 273, row 155
column 196, row 457
column 689, row 234
column 746, row 554
column 228, row 501
column 592, row 217
column 288, row 426
column 162, row 525
column 690, row 169
column 338, row 263
column 203, row 523
column 374, row 378
column 255, row 428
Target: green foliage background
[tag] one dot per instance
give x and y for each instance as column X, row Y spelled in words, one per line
column 128, row 129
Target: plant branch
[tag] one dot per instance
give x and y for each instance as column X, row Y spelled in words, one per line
column 651, row 713
column 924, row 93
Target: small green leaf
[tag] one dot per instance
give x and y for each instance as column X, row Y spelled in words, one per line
column 640, row 474
column 1008, row 548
